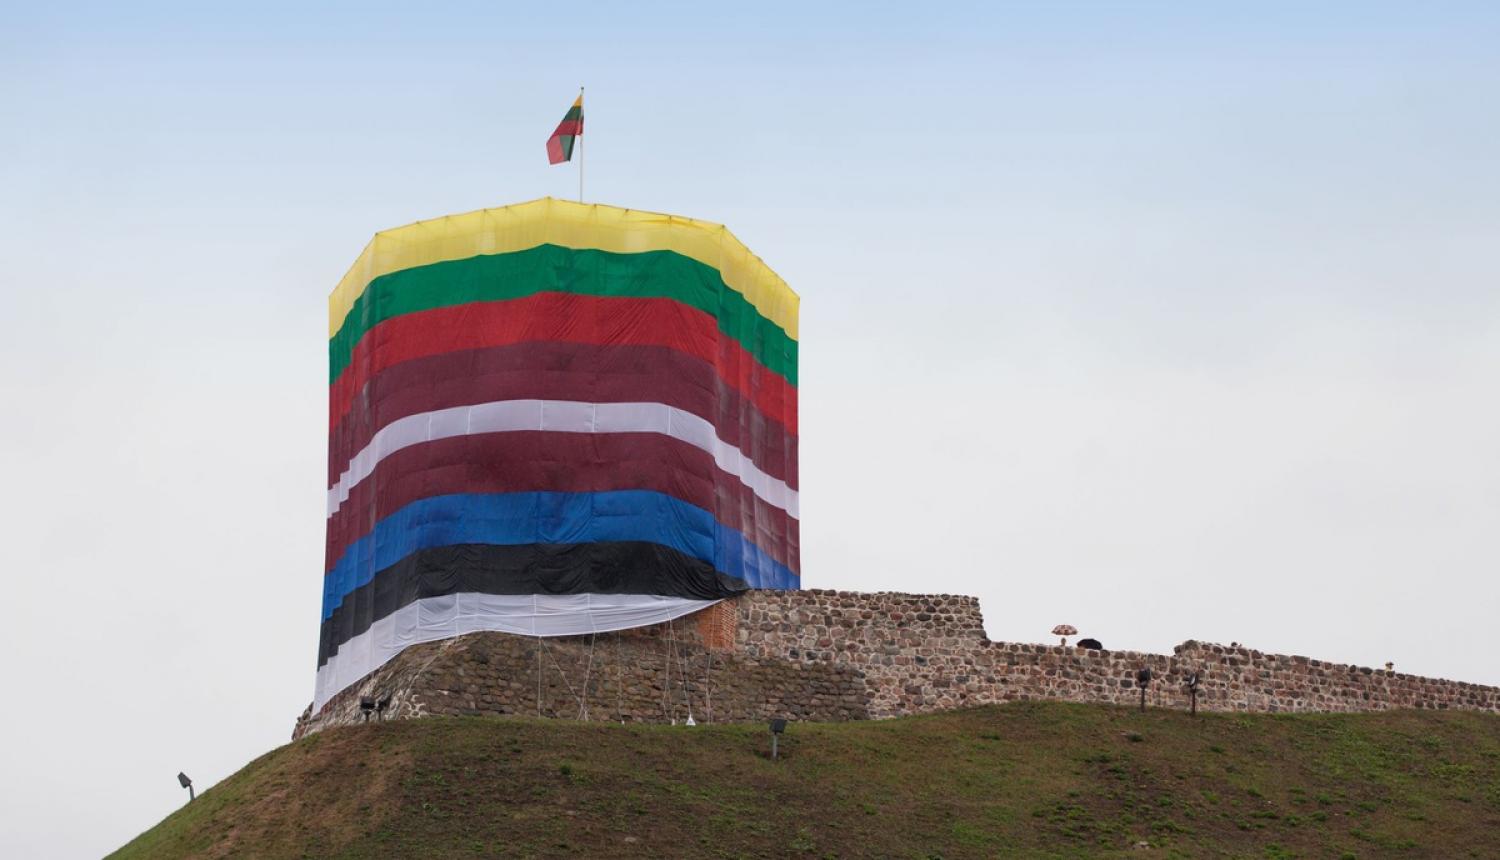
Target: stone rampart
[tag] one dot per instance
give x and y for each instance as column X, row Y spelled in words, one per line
column 835, row 655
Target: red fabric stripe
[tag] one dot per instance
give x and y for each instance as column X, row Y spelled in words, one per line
column 568, row 126
column 563, row 371
column 555, row 151
column 530, row 461
column 568, row 318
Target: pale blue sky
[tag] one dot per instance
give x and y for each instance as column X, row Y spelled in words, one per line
column 1167, row 321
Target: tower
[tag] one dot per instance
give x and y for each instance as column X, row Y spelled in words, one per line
column 552, row 419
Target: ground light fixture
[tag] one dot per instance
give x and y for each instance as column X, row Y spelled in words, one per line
column 1192, row 688
column 1143, row 680
column 366, row 707
column 777, row 727
column 182, row 780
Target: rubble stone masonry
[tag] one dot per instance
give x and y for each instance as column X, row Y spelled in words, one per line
column 840, row 655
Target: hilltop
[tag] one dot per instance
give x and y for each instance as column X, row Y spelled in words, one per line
column 1019, row 780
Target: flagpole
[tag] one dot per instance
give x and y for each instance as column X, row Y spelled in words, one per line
column 580, row 148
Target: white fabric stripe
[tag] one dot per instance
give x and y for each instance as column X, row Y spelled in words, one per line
column 434, row 618
column 563, row 416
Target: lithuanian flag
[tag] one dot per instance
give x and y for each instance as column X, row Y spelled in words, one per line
column 560, row 144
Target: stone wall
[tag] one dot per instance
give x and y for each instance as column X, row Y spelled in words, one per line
column 661, row 674
column 826, row 655
column 924, row 653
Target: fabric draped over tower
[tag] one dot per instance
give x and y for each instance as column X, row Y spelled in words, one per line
column 552, row 419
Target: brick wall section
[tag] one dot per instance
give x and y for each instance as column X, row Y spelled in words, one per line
column 827, row 655
column 717, row 624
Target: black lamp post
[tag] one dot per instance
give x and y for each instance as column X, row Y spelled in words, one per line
column 182, row 780
column 1143, row 680
column 366, row 707
column 1192, row 688
column 777, row 727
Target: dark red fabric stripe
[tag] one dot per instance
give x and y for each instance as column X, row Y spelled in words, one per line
column 569, row 127
column 567, row 318
column 537, row 461
column 563, row 371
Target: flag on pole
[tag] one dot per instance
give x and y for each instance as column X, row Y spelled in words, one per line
column 560, row 144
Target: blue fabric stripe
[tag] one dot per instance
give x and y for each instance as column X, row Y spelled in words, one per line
column 507, row 519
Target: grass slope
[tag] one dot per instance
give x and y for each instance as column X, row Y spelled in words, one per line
column 1024, row 780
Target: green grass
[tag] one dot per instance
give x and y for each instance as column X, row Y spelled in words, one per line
column 1029, row 780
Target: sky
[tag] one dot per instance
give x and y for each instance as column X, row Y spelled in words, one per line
column 1167, row 321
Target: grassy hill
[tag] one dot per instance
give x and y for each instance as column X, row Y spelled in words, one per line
column 1024, row 780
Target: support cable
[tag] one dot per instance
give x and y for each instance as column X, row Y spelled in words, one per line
column 583, row 701
column 708, row 686
column 680, row 649
column 666, row 684
column 563, row 672
column 620, row 677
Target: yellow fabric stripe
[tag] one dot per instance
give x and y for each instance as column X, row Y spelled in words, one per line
column 571, row 225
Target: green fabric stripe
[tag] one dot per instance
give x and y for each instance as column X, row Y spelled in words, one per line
column 573, row 113
column 552, row 268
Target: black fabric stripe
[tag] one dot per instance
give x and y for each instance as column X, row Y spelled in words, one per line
column 613, row 567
